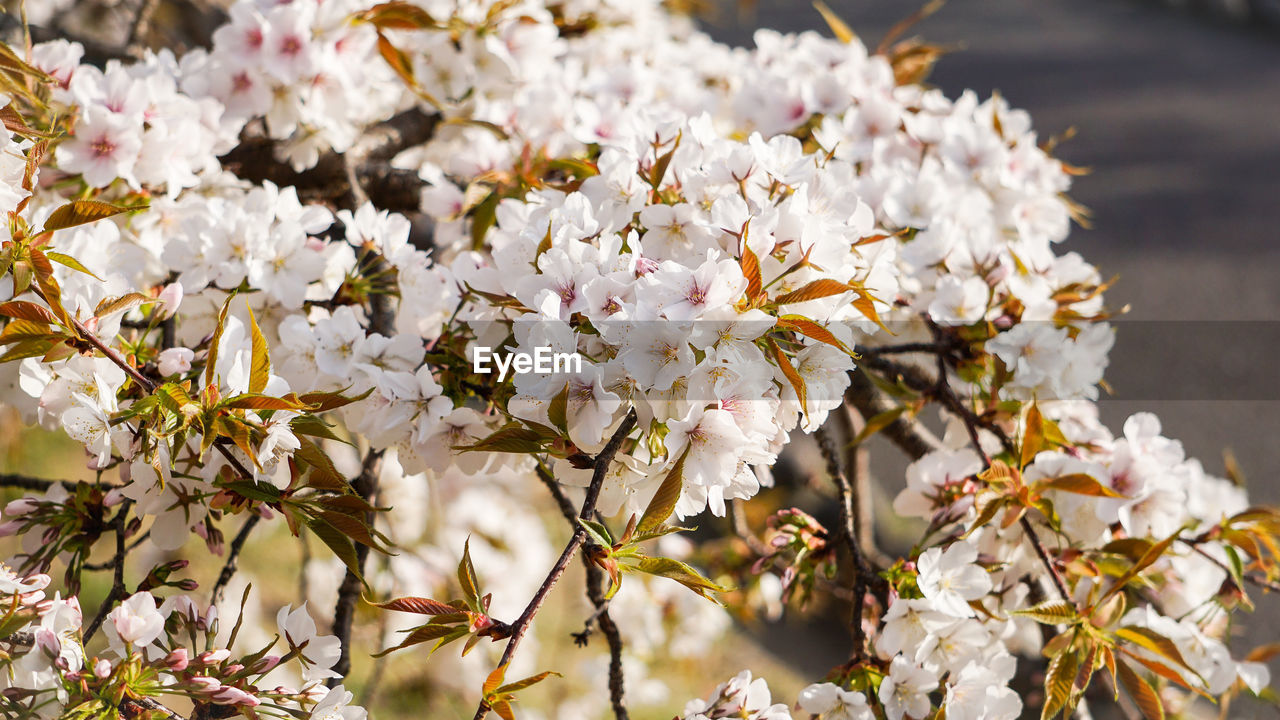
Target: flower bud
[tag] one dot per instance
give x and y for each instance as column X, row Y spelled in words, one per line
column 177, row 660
column 102, row 669
column 175, row 361
column 170, row 298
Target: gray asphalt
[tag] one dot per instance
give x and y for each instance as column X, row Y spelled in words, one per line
column 1179, row 118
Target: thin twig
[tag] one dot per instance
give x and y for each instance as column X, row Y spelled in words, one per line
column 233, row 556
column 117, row 582
column 600, row 468
column 1252, row 579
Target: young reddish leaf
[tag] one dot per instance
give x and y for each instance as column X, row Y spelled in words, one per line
column 816, row 290
column 110, row 306
column 417, row 605
column 866, row 305
column 79, row 212
column 398, row 16
column 751, row 269
column 809, row 328
column 1144, row 696
column 664, row 500
column 510, row 439
column 25, row 310
column 1032, row 436
column 789, row 371
column 494, row 681
column 503, row 709
column 1077, row 483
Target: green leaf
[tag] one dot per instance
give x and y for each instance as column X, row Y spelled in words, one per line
column 681, row 573
column 599, row 533
column 260, row 362
column 258, row 401
column 324, row 476
column 426, row 633
column 1154, row 642
column 878, row 422
column 79, row 212
column 1053, row 612
column 558, row 410
column 527, row 682
column 211, row 361
column 467, row 578
column 664, row 500
column 1058, row 683
column 72, row 263
column 339, row 543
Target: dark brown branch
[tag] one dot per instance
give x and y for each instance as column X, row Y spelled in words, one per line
column 131, row 708
column 117, row 591
column 595, row 593
column 600, row 468
column 864, row 575
column 366, row 486
column 135, row 44
column 908, row 433
column 857, row 465
column 233, row 556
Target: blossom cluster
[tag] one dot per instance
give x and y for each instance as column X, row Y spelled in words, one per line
column 726, row 236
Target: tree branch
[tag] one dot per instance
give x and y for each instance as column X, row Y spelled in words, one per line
column 864, row 575
column 117, row 582
column 366, row 486
column 600, row 468
column 233, row 556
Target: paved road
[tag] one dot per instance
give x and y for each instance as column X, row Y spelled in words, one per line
column 1179, row 116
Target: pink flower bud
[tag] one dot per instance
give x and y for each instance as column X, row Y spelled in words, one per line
column 48, row 643
column 21, row 506
column 265, row 665
column 114, row 496
column 175, row 360
column 170, row 298
column 177, row 660
column 102, row 669
column 205, row 684
column 234, row 696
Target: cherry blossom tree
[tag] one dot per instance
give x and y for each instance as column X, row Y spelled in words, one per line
column 252, row 274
